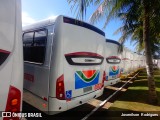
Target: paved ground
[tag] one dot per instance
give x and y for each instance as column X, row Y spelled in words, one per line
column 80, row 112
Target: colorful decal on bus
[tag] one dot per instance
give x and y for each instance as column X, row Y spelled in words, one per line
column 125, row 59
column 29, row 77
column 86, row 78
column 113, row 70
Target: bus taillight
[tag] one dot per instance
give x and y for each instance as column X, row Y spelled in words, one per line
column 60, row 93
column 13, row 102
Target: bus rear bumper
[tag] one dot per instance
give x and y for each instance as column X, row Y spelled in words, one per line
column 111, row 82
column 57, row 106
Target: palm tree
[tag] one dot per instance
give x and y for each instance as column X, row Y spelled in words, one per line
column 138, row 16
column 135, row 32
column 147, row 43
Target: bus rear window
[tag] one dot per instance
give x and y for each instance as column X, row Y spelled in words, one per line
column 34, row 46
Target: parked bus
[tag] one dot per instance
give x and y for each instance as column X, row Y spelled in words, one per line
column 139, row 61
column 158, row 63
column 134, row 61
column 11, row 57
column 126, row 61
column 113, row 60
column 63, row 63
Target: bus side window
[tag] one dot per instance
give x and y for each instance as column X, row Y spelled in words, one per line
column 39, row 49
column 34, row 45
column 27, row 43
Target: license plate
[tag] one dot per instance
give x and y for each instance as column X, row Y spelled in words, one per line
column 113, row 77
column 87, row 89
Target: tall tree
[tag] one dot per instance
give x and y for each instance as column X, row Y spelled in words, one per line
column 136, row 13
column 135, row 32
column 148, row 53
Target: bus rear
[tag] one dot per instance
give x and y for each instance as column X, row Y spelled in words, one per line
column 126, row 62
column 134, row 62
column 77, row 64
column 11, row 59
column 113, row 60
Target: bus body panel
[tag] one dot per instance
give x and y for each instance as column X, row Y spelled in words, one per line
column 11, row 69
column 137, row 61
column 84, row 41
column 36, row 79
column 57, row 104
column 113, row 60
column 141, row 61
column 134, row 61
column 7, row 24
column 67, row 39
column 131, row 62
column 126, row 61
column 36, row 76
column 158, row 63
column 72, row 39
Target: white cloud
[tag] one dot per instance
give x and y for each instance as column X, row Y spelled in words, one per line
column 52, row 17
column 26, row 19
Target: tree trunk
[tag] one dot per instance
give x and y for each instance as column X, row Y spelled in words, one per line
column 149, row 63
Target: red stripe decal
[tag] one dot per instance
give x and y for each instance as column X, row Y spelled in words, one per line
column 125, row 59
column 84, row 54
column 4, row 51
column 29, row 77
column 3, row 55
column 113, row 57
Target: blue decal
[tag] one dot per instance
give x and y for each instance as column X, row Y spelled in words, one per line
column 69, row 94
column 80, row 83
column 112, row 73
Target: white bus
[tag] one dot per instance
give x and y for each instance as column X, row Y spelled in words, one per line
column 63, row 64
column 132, row 61
column 113, row 60
column 140, row 61
column 158, row 63
column 135, row 65
column 126, row 61
column 11, row 57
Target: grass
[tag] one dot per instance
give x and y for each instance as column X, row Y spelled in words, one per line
column 136, row 97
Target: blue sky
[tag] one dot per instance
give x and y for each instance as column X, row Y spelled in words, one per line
column 35, row 10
